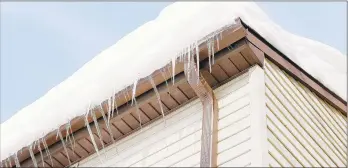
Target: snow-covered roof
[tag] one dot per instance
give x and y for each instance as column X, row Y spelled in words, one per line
column 152, row 46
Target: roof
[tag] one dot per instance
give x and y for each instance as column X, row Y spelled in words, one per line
column 153, row 44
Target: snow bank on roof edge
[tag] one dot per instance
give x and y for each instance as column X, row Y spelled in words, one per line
column 155, row 43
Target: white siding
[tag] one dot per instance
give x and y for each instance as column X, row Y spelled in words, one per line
column 177, row 143
column 303, row 130
column 242, row 122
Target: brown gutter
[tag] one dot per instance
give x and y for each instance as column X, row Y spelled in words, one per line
column 210, row 114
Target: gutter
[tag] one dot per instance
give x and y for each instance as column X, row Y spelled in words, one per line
column 206, row 95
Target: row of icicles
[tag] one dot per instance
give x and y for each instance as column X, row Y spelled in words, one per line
column 187, row 54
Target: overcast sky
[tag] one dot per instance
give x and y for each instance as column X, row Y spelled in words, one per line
column 43, row 43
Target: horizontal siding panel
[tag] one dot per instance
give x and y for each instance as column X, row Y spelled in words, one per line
column 315, row 130
column 155, row 141
column 241, row 160
column 163, row 154
column 234, row 128
column 234, row 123
column 233, row 152
column 189, row 161
column 234, row 116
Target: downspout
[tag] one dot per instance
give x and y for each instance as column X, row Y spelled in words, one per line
column 206, row 95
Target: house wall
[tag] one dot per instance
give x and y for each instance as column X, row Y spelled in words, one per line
column 266, row 118
column 303, row 130
column 174, row 141
column 178, row 143
column 242, row 121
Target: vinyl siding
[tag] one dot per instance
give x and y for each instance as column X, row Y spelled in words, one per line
column 303, row 130
column 178, row 143
column 236, row 126
column 173, row 143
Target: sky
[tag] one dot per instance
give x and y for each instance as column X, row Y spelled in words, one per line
column 43, row 43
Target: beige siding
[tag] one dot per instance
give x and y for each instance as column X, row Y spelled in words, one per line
column 173, row 143
column 303, row 130
column 178, row 143
column 238, row 141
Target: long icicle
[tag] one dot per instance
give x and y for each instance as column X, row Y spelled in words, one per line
column 32, row 155
column 17, row 161
column 189, row 59
column 209, row 54
column 213, row 51
column 67, row 134
column 108, row 126
column 137, row 110
column 92, row 137
column 173, row 69
column 64, row 146
column 158, row 98
column 5, row 163
column 10, row 161
column 73, row 138
column 164, row 78
column 57, row 134
column 109, row 110
column 47, row 150
column 197, row 57
column 217, row 42
column 134, row 91
column 115, row 102
column 97, row 127
column 42, row 159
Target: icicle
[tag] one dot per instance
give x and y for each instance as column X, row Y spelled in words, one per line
column 42, row 159
column 108, row 126
column 47, row 150
column 67, row 136
column 134, row 91
column 5, row 163
column 92, row 137
column 217, row 42
column 173, row 69
column 128, row 95
column 17, row 161
column 158, row 98
column 109, row 110
column 72, row 136
column 197, row 57
column 57, row 134
column 137, row 110
column 164, row 78
column 115, row 104
column 34, row 146
column 64, row 146
column 209, row 53
column 213, row 51
column 125, row 95
column 10, row 161
column 189, row 59
column 32, row 155
column 97, row 127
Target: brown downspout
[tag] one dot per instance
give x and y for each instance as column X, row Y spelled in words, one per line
column 210, row 114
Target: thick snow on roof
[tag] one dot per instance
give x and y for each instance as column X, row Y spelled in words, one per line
column 152, row 46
